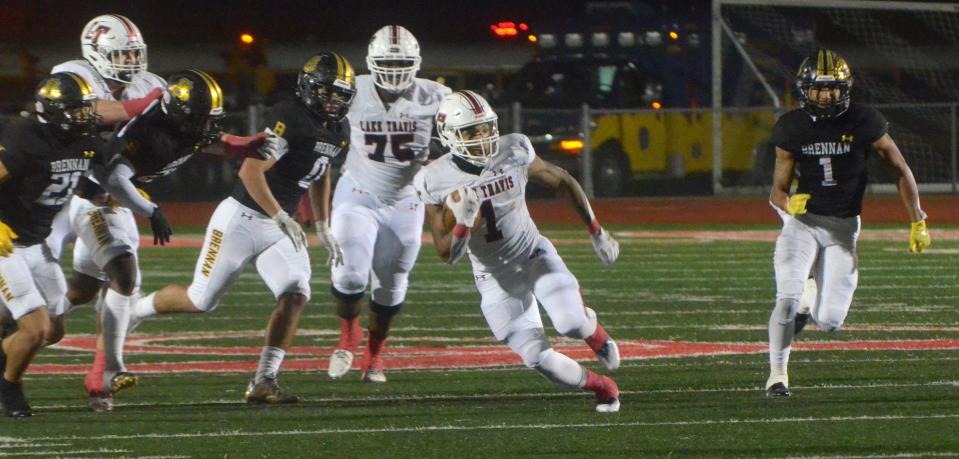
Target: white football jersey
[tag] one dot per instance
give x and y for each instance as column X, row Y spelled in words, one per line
column 380, row 159
column 142, row 84
column 507, row 231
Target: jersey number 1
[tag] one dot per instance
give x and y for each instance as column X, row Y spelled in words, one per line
column 493, row 233
column 826, row 164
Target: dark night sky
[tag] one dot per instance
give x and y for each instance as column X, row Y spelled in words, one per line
column 209, row 21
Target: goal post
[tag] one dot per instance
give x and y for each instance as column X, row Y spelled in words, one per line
column 904, row 61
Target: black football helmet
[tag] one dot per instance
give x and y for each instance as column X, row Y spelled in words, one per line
column 194, row 101
column 65, row 102
column 824, row 70
column 326, row 85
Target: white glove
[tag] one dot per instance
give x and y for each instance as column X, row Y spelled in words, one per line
column 335, row 257
column 292, row 229
column 273, row 146
column 606, row 248
column 466, row 208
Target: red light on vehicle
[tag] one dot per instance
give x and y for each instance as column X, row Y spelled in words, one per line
column 532, row 38
column 571, row 146
column 504, row 29
column 673, row 35
column 246, row 38
column 523, row 26
column 656, row 105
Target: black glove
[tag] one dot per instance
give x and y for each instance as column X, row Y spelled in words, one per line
column 161, row 227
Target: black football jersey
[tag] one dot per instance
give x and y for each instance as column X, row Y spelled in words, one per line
column 831, row 156
column 312, row 148
column 152, row 145
column 43, row 173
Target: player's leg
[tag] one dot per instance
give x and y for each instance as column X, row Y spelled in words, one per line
column 354, row 224
column 796, row 250
column 286, row 272
column 23, row 303
column 840, row 276
column 397, row 246
column 558, row 291
column 230, row 243
column 510, row 310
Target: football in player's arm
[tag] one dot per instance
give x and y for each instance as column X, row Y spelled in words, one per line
column 482, row 182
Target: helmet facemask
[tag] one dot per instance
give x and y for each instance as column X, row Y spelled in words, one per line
column 329, row 102
column 475, row 143
column 126, row 63
column 824, row 71
column 393, row 73
column 837, row 106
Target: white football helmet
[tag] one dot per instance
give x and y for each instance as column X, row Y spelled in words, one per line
column 112, row 44
column 393, row 58
column 467, row 125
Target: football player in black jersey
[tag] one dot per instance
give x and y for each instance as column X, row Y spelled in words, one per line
column 254, row 224
column 153, row 144
column 41, row 160
column 828, row 140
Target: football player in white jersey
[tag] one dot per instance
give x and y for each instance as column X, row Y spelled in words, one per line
column 114, row 62
column 377, row 218
column 483, row 183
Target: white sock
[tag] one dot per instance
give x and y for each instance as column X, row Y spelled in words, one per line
column 270, row 360
column 114, row 318
column 561, row 369
column 781, row 330
column 145, row 307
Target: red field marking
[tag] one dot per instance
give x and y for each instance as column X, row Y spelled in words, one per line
column 420, row 357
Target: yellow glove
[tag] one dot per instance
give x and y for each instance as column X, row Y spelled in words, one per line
column 6, row 240
column 919, row 237
column 797, row 204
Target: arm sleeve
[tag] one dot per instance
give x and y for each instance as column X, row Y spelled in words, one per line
column 779, row 135
column 420, row 185
column 117, row 183
column 874, row 125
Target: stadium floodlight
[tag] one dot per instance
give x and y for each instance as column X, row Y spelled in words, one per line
column 654, row 38
column 600, row 39
column 573, row 40
column 547, row 40
column 626, row 39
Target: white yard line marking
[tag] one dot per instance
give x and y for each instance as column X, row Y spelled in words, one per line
column 558, row 394
column 504, row 426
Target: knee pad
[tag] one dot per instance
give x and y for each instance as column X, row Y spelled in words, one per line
column 531, row 345
column 785, row 310
column 347, row 297
column 351, row 282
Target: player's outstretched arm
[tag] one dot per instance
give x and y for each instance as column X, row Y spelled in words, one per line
column 889, row 154
column 113, row 112
column 560, row 181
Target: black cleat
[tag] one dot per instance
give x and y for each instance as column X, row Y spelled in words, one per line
column 801, row 320
column 14, row 403
column 778, row 390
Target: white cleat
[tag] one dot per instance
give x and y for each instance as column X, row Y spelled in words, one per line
column 340, row 363
column 374, row 375
column 609, row 355
column 611, row 407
